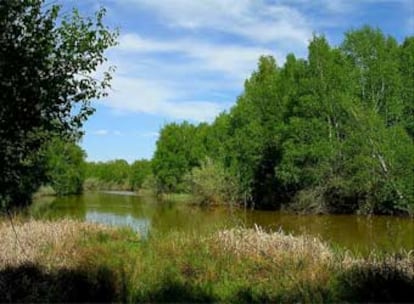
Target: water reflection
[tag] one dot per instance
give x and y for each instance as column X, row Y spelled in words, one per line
column 145, row 215
column 140, row 225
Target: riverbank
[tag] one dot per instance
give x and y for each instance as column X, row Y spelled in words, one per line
column 72, row 261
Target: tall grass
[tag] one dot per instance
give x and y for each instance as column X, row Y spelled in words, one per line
column 47, row 242
column 234, row 265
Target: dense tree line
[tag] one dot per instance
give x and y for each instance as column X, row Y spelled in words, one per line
column 117, row 175
column 67, row 172
column 330, row 133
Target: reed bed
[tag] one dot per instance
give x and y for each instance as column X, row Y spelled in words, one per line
column 33, row 241
column 258, row 242
column 232, row 265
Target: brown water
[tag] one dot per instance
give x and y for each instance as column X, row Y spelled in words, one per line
column 145, row 215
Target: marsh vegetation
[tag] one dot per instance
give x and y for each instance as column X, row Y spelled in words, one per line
column 96, row 263
column 326, row 135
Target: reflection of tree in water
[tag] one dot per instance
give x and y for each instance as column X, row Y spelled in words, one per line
column 51, row 207
column 358, row 233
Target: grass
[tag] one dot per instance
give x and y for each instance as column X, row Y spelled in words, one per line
column 70, row 261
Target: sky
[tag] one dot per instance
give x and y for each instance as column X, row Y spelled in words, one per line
column 188, row 59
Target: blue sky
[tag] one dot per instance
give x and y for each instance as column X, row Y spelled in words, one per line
column 188, row 59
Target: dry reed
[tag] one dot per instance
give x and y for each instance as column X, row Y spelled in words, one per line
column 281, row 247
column 33, row 241
column 258, row 242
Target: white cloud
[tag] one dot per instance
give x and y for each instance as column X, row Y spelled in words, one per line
column 150, row 134
column 192, row 88
column 185, row 77
column 230, row 59
column 144, row 96
column 255, row 20
column 101, row 132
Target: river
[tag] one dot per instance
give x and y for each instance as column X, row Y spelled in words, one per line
column 146, row 215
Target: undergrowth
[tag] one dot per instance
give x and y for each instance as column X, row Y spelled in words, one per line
column 69, row 261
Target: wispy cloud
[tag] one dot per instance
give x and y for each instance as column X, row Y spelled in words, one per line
column 190, row 88
column 255, row 20
column 230, row 59
column 196, row 75
column 105, row 132
column 101, row 132
column 188, row 59
column 149, row 134
column 144, row 96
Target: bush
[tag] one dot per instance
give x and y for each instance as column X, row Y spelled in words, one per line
column 211, row 184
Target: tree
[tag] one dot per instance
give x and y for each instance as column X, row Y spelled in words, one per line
column 253, row 133
column 407, row 73
column 113, row 174
column 139, row 171
column 330, row 133
column 376, row 67
column 179, row 148
column 65, row 167
column 46, row 86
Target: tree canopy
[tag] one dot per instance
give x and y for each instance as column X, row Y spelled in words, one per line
column 65, row 167
column 117, row 175
column 329, row 133
column 47, row 82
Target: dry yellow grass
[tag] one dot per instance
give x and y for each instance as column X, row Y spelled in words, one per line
column 284, row 248
column 32, row 241
column 56, row 244
column 258, row 242
column 218, row 265
column 402, row 261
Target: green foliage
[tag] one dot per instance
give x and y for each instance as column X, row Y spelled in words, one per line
column 211, row 184
column 406, row 65
column 46, row 61
column 111, row 175
column 117, row 175
column 65, row 162
column 332, row 133
column 139, row 172
column 179, row 148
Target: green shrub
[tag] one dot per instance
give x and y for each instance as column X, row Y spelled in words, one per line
column 210, row 183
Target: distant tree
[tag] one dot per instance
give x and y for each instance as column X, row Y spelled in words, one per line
column 46, row 85
column 65, row 167
column 116, row 171
column 139, row 171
